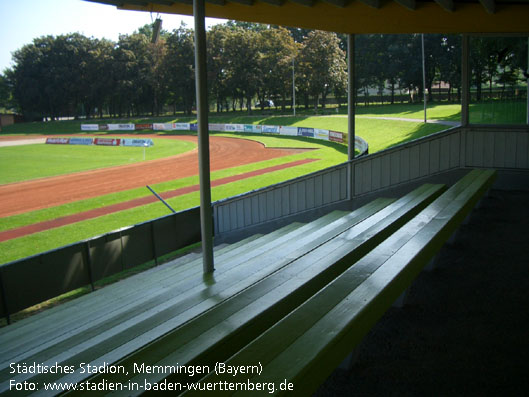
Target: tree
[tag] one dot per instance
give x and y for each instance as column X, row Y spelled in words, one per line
column 6, row 96
column 179, row 69
column 216, row 63
column 277, row 50
column 241, row 59
column 323, row 64
column 47, row 76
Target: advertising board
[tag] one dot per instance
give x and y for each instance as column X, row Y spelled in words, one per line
column 336, row 136
column 107, row 141
column 270, row 129
column 216, row 127
column 81, row 141
column 58, row 141
column 292, row 131
column 89, row 127
column 321, row 134
column 137, row 142
column 143, row 126
column 181, row 126
column 252, row 128
column 308, row 132
column 121, row 127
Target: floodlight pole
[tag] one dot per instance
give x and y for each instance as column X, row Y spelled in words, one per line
column 206, row 213
column 423, row 76
column 294, row 84
column 465, row 79
column 351, row 96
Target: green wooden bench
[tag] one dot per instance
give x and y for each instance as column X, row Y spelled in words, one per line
column 230, row 317
column 304, row 347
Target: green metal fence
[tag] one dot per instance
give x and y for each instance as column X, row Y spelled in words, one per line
column 28, row 281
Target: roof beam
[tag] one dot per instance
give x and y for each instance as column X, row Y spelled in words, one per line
column 337, row 3
column 274, row 2
column 308, row 3
column 245, row 2
column 409, row 4
column 448, row 5
column 490, row 5
column 372, row 3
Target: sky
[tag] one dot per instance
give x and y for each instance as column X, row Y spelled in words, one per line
column 24, row 20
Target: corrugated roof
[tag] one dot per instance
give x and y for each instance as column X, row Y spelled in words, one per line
column 360, row 16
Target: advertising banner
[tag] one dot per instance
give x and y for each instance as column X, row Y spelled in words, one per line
column 181, row 126
column 121, row 127
column 321, row 134
column 107, row 141
column 336, row 136
column 143, row 126
column 252, row 128
column 308, row 132
column 89, row 127
column 58, row 141
column 292, row 131
column 234, row 127
column 193, row 127
column 103, row 127
column 158, row 127
column 216, row 127
column 270, row 129
column 81, row 141
column 136, row 142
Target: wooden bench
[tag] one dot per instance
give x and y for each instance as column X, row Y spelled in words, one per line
column 306, row 345
column 84, row 331
column 224, row 316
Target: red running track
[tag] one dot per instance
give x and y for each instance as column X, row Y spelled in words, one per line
column 81, row 216
column 17, row 198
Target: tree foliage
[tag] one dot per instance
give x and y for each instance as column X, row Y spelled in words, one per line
column 248, row 64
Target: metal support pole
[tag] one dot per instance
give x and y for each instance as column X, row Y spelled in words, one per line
column 527, row 93
column 161, row 199
column 465, row 79
column 206, row 213
column 423, row 76
column 351, row 96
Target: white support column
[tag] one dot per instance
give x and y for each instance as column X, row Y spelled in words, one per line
column 351, row 95
column 206, row 212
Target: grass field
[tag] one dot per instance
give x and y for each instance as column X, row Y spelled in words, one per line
column 380, row 134
column 327, row 155
column 21, row 163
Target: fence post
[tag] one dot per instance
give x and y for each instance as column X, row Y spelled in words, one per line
column 89, row 265
column 153, row 240
column 122, row 250
column 4, row 299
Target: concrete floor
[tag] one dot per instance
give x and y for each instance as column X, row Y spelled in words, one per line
column 464, row 329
